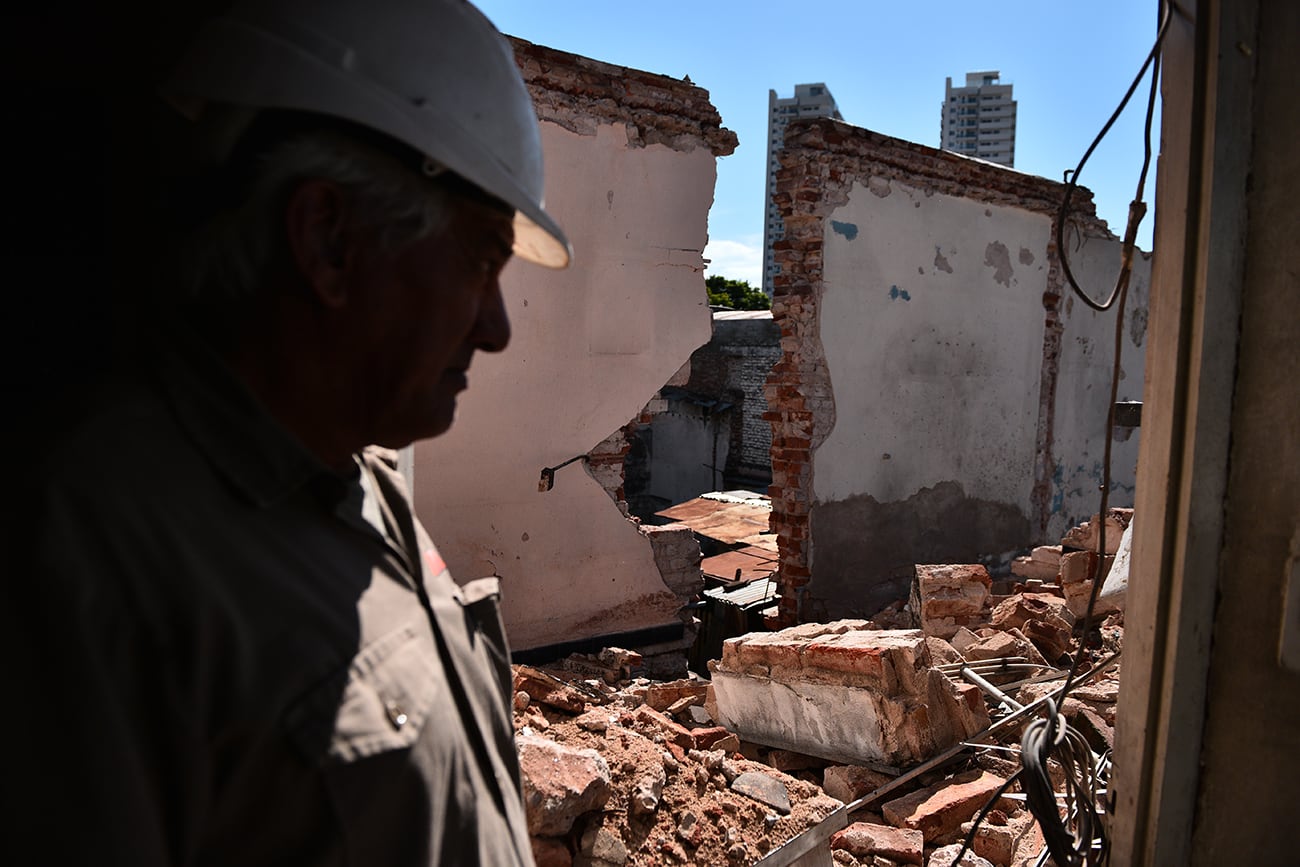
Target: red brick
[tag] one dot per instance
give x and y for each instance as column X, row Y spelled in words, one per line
column 864, row 838
column 939, row 810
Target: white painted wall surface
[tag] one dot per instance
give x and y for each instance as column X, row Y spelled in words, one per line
column 935, row 373
column 1083, row 385
column 591, row 345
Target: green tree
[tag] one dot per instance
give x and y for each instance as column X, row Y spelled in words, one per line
column 736, row 294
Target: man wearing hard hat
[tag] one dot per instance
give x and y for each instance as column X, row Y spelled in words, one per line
column 260, row 657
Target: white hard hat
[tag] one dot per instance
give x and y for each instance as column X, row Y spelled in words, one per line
column 433, row 74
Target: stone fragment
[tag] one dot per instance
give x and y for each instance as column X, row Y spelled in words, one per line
column 594, row 720
column 847, row 783
column 697, row 715
column 679, row 707
column 946, row 856
column 764, row 789
column 938, row 811
column 947, row 597
column 996, row 646
column 963, row 638
column 559, row 784
column 941, row 652
column 548, row 690
column 995, row 842
column 1015, row 611
column 648, row 791
column 601, row 847
column 863, row 839
column 521, row 700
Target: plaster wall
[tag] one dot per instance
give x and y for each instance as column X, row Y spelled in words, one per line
column 591, row 345
column 961, row 374
column 1087, row 352
column 688, row 451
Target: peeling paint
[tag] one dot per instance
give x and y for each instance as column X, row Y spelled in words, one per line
column 848, row 230
column 941, row 261
column 1026, row 256
column 998, row 257
column 895, row 294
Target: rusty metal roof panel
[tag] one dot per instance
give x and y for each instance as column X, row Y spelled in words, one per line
column 729, row 517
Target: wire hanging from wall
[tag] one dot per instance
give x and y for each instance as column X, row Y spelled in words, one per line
column 1080, row 838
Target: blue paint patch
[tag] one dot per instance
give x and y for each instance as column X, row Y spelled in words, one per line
column 895, row 294
column 848, row 230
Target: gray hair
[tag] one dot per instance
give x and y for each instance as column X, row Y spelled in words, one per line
column 229, row 256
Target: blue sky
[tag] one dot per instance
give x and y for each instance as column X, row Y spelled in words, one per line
column 885, row 63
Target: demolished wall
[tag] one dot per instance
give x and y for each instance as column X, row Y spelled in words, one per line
column 941, row 397
column 630, row 168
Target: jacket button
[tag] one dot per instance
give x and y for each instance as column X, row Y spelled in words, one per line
column 396, row 715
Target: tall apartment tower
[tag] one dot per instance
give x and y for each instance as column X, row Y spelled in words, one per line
column 809, row 100
column 979, row 120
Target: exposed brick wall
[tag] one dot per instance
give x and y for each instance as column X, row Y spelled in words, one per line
column 579, row 94
column 821, row 161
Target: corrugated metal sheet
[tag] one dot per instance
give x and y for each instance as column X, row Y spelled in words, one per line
column 746, row 596
column 724, row 516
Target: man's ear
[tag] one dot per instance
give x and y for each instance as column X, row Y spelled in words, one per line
column 316, row 223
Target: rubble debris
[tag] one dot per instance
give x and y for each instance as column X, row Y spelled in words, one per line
column 843, row 693
column 902, row 845
column 938, row 811
column 839, row 741
column 1085, row 536
column 560, row 783
column 947, row 857
column 948, row 597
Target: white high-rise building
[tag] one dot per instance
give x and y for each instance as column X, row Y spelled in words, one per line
column 979, row 120
column 809, row 100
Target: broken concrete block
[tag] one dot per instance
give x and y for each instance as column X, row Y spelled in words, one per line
column 947, row 597
column 1053, row 621
column 963, row 639
column 938, row 811
column 559, row 784
column 946, row 856
column 1084, row 537
column 855, row 697
column 862, row 839
column 996, row 646
column 1050, row 637
column 548, row 690
column 662, row 696
column 941, row 652
column 847, row 783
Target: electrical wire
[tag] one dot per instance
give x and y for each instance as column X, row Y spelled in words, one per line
column 1137, row 209
column 1051, row 736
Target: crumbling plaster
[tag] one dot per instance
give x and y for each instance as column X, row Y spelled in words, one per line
column 940, row 397
column 591, row 344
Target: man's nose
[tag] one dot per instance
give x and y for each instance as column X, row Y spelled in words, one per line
column 492, row 328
